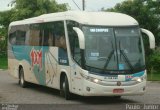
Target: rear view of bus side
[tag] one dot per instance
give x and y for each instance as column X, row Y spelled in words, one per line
column 84, row 53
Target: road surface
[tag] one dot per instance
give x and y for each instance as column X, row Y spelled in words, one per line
column 12, row 93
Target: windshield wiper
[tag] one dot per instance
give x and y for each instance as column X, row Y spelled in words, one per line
column 126, row 58
column 109, row 58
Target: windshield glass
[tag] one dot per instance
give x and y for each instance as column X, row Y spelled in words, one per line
column 111, row 49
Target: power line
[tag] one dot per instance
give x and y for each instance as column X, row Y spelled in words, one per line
column 76, row 5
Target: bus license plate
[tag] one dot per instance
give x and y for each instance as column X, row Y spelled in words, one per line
column 118, row 91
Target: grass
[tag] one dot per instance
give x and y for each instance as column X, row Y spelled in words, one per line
column 3, row 61
column 155, row 76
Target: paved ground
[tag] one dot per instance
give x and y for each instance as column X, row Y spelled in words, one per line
column 12, row 93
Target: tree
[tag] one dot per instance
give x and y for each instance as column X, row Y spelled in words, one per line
column 147, row 13
column 4, row 22
column 30, row 8
column 23, row 9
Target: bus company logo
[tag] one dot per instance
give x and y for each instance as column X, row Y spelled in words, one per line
column 129, row 77
column 36, row 58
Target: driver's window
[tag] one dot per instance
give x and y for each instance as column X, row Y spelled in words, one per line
column 74, row 41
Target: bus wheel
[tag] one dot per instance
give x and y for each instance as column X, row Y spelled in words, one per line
column 65, row 89
column 22, row 82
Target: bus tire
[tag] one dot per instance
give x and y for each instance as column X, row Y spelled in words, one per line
column 22, row 81
column 65, row 88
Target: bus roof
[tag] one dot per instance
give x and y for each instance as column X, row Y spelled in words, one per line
column 83, row 17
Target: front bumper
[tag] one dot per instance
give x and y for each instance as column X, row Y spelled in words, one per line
column 93, row 89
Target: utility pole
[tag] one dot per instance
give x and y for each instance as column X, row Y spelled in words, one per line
column 83, row 5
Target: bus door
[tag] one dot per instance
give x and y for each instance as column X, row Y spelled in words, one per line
column 75, row 68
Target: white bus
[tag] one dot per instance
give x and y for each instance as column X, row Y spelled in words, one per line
column 83, row 53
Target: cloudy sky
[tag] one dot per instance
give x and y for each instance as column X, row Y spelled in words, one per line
column 91, row 5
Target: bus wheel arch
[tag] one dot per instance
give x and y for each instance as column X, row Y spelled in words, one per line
column 20, row 67
column 22, row 81
column 64, row 86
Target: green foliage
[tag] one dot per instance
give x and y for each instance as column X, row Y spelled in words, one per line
column 31, row 8
column 153, row 61
column 24, row 9
column 3, row 43
column 3, row 47
column 3, row 61
column 147, row 13
column 154, row 76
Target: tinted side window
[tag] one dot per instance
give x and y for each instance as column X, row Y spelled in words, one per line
column 17, row 35
column 36, row 34
column 60, row 39
column 12, row 35
column 20, row 37
column 74, row 42
column 48, row 35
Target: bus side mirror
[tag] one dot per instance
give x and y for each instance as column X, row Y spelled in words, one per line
column 80, row 37
column 151, row 38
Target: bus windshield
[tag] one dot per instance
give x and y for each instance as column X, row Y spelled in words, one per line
column 113, row 49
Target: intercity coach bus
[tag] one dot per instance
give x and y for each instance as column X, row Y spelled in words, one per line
column 83, row 53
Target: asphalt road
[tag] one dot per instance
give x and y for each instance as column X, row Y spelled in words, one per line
column 12, row 93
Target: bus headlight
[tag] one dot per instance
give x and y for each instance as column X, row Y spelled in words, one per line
column 95, row 80
column 139, row 80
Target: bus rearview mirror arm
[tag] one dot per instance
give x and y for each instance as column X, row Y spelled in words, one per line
column 80, row 37
column 151, row 38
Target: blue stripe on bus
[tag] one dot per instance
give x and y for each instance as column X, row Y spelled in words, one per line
column 129, row 77
column 24, row 53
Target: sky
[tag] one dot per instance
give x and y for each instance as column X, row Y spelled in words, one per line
column 91, row 5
